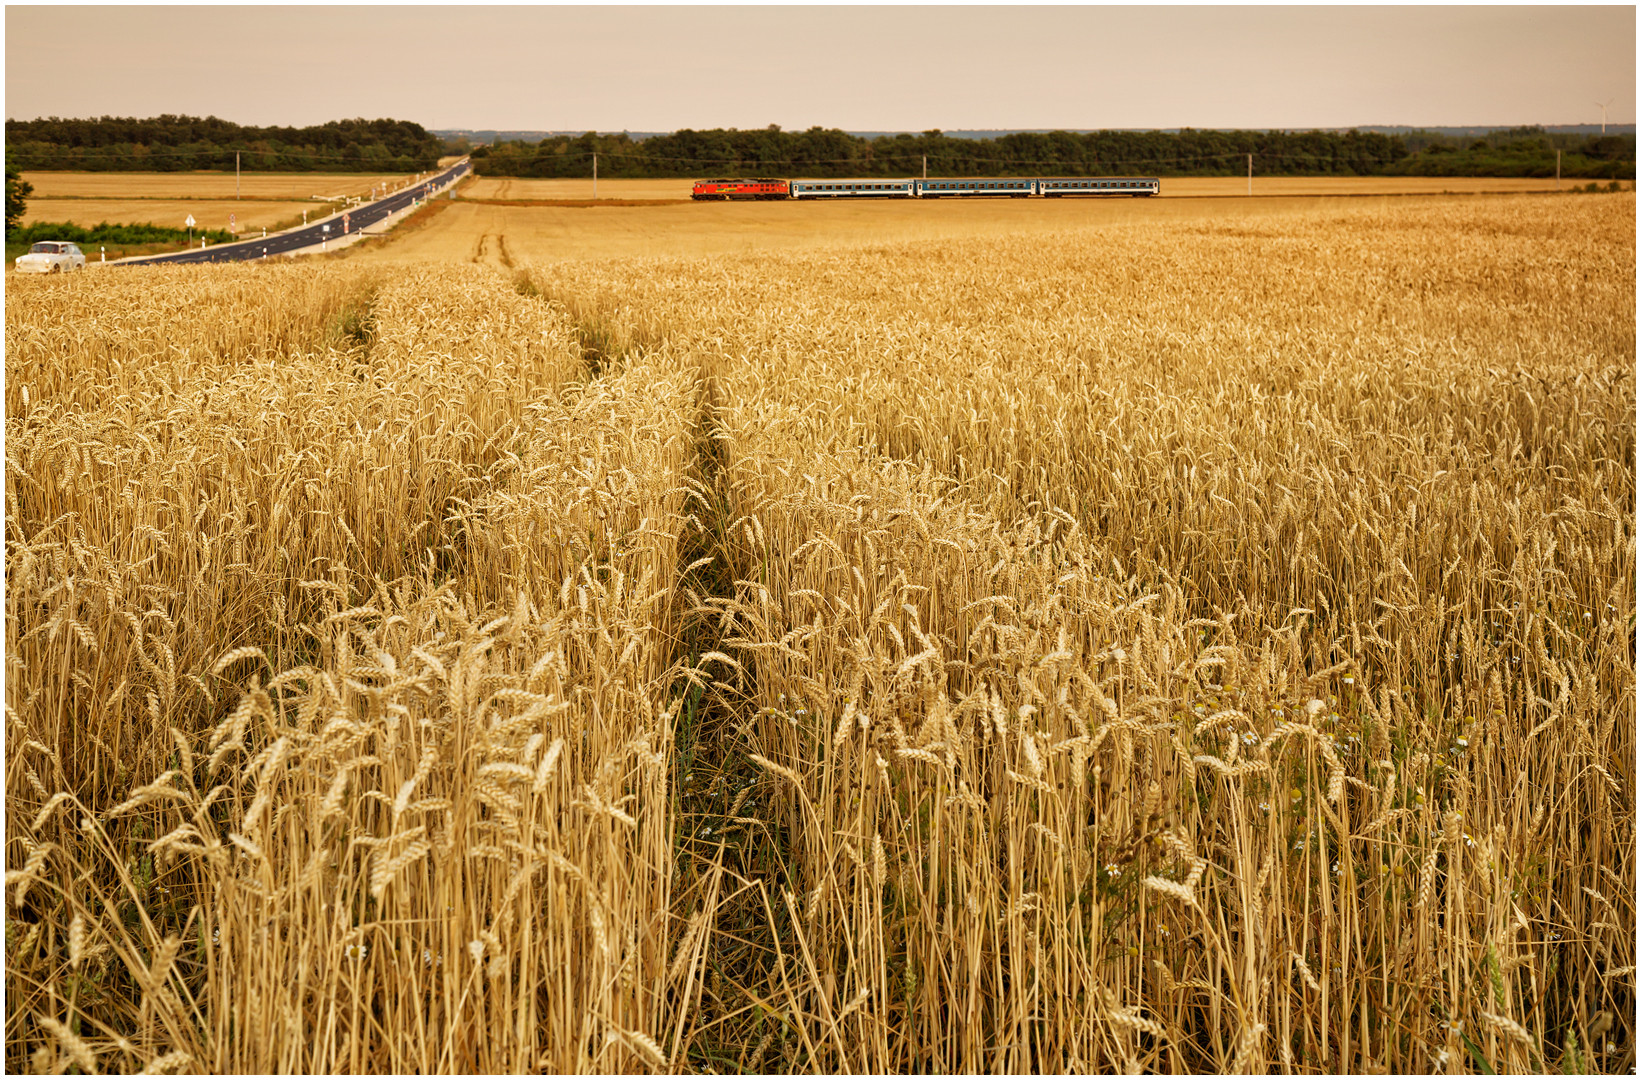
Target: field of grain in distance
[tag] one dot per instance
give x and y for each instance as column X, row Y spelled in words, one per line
column 1196, row 644
column 503, row 235
column 267, row 200
column 174, row 213
column 207, row 185
column 525, row 188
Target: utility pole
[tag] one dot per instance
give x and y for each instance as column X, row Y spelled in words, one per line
column 1250, row 174
column 236, row 175
column 925, row 166
column 595, row 175
column 1558, row 170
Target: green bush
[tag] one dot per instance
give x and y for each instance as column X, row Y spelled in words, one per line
column 104, row 233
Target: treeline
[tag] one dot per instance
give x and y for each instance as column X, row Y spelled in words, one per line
column 181, row 143
column 822, row 152
column 104, row 233
column 825, row 153
column 1529, row 152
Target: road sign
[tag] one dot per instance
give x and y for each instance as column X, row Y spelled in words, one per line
column 190, row 221
column 231, row 227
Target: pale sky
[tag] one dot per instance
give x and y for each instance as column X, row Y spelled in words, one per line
column 868, row 68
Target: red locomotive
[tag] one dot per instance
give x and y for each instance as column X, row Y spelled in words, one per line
column 762, row 188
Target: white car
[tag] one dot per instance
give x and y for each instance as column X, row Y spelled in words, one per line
column 51, row 257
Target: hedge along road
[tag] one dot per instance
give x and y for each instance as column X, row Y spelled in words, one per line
column 308, row 236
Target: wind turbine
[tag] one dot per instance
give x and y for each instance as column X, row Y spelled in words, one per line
column 1604, row 105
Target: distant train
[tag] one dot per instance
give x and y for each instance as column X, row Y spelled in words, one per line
column 929, row 188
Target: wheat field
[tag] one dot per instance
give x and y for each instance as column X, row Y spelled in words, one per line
column 248, row 215
column 50, row 184
column 262, row 200
column 507, row 237
column 527, row 188
column 1198, row 642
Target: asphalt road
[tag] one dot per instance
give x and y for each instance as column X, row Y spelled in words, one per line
column 310, row 236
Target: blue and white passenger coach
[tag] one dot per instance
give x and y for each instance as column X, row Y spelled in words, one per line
column 851, row 189
column 1138, row 186
column 980, row 186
